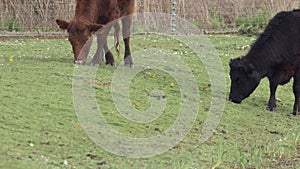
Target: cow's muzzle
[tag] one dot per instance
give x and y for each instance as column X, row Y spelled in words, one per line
column 235, row 101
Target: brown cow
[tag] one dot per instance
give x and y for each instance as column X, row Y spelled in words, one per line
column 90, row 16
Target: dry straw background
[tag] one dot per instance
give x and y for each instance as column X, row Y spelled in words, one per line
column 33, row 15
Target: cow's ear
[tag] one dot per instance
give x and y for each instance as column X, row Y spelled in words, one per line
column 94, row 27
column 62, row 24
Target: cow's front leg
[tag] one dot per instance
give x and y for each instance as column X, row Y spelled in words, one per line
column 126, row 23
column 98, row 56
column 296, row 90
column 272, row 99
column 101, row 44
column 83, row 53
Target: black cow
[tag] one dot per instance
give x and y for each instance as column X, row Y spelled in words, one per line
column 276, row 55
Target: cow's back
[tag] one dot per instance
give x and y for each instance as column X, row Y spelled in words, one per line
column 126, row 7
column 114, row 9
column 279, row 42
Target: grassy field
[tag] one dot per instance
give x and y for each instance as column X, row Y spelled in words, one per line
column 39, row 127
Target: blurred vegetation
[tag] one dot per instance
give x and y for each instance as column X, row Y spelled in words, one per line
column 252, row 25
column 248, row 17
column 11, row 24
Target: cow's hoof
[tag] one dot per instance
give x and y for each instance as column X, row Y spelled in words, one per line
column 111, row 64
column 128, row 65
column 271, row 106
column 96, row 61
column 95, row 64
column 128, row 61
column 296, row 113
column 80, row 62
column 272, row 109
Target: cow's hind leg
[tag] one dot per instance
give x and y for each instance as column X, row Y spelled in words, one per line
column 126, row 24
column 272, row 100
column 296, row 90
column 108, row 56
column 101, row 44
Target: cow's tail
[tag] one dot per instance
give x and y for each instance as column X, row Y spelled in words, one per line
column 117, row 38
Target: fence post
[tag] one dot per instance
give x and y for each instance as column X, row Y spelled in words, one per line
column 173, row 23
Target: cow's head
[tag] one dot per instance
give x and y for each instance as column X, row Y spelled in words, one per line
column 80, row 30
column 244, row 79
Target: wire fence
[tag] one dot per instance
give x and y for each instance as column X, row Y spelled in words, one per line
column 33, row 15
column 40, row 15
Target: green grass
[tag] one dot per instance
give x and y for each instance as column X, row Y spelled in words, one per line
column 39, row 127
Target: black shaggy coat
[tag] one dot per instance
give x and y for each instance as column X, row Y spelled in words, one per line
column 276, row 55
